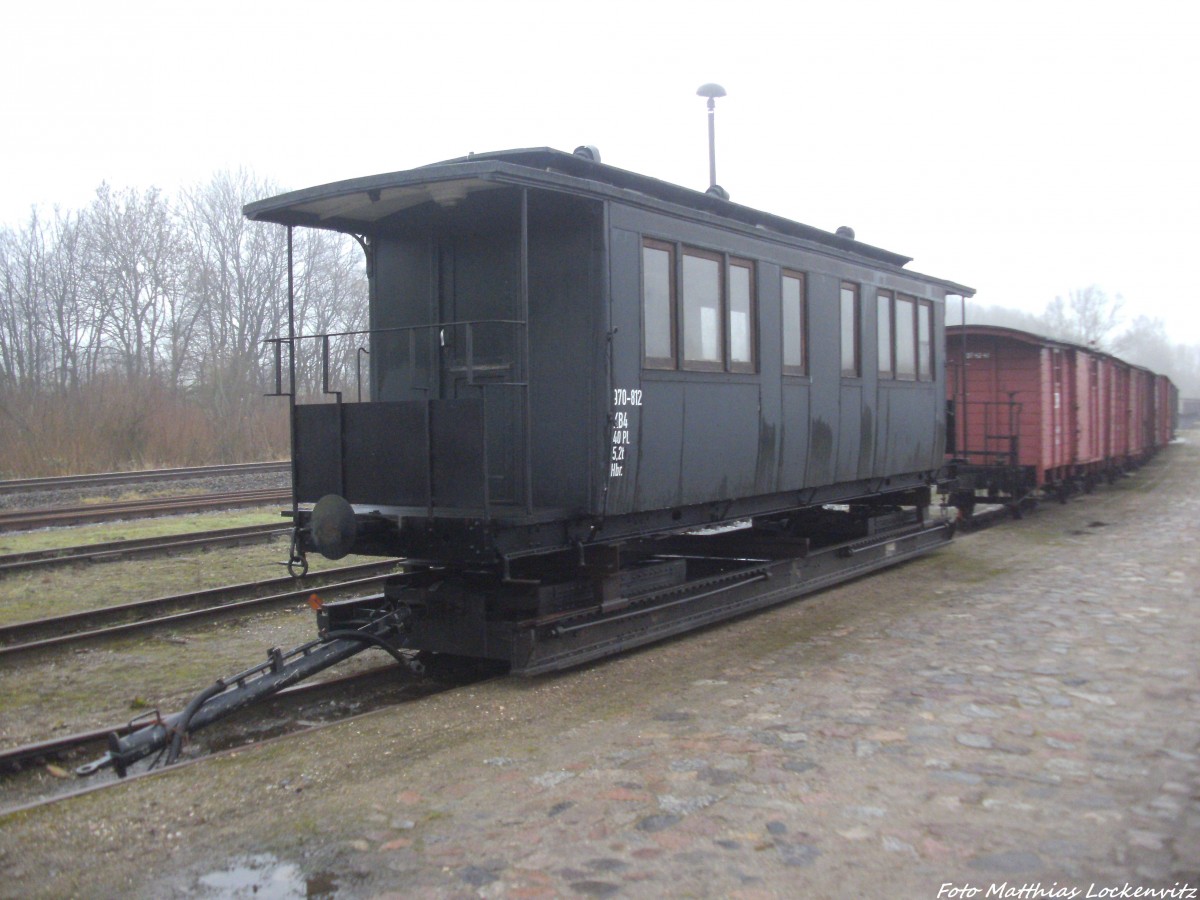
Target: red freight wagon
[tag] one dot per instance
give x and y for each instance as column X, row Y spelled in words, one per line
column 1166, row 410
column 1017, row 413
column 1034, row 414
column 1091, row 429
column 1118, row 410
column 1141, row 414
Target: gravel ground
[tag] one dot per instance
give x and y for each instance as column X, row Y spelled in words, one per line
column 1018, row 711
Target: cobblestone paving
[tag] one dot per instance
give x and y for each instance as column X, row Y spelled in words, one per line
column 1020, row 709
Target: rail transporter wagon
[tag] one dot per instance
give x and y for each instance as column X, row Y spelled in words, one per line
column 580, row 378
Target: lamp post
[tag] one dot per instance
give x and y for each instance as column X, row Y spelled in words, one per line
column 712, row 92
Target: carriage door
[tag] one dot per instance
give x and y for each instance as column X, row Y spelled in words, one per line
column 1057, row 408
column 479, row 299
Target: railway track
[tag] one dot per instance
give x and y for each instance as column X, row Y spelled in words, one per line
column 146, row 476
column 57, row 748
column 114, row 550
column 25, row 520
column 127, row 618
column 295, row 710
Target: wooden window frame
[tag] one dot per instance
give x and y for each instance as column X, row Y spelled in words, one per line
column 925, row 314
column 890, row 297
column 914, row 375
column 702, row 365
column 678, row 361
column 731, row 364
column 856, row 326
column 662, row 362
column 801, row 369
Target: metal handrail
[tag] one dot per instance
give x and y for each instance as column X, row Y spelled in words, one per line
column 1009, row 450
column 425, row 372
column 469, row 324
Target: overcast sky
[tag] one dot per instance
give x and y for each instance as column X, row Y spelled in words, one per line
column 1024, row 148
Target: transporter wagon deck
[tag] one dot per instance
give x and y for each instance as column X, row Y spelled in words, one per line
column 571, row 365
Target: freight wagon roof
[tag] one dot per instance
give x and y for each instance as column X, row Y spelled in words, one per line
column 1028, row 337
column 364, row 205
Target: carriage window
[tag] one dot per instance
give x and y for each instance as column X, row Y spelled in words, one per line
column 703, row 332
column 906, row 339
column 884, row 301
column 925, row 341
column 741, row 316
column 698, row 309
column 795, row 345
column 850, row 338
column 658, row 304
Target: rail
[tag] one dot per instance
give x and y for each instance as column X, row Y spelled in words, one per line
column 104, row 479
column 114, row 550
column 25, row 520
column 110, row 621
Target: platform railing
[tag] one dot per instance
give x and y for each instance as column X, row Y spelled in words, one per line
column 436, row 357
column 482, row 359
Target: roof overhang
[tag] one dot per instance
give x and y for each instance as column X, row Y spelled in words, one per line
column 363, row 205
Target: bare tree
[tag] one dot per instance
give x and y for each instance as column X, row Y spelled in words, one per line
column 74, row 331
column 331, row 298
column 24, row 343
column 134, row 262
column 1087, row 317
column 238, row 274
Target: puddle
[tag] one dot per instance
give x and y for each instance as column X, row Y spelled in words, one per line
column 263, row 877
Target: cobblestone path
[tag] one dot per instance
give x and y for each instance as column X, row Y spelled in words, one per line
column 1020, row 709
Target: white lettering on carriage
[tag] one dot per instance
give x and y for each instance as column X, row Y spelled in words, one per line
column 620, row 422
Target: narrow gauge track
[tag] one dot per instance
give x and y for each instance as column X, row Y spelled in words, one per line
column 113, row 550
column 111, row 621
column 25, row 520
column 104, row 479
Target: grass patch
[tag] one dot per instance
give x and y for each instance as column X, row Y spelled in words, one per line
column 104, row 532
column 67, row 691
column 38, row 593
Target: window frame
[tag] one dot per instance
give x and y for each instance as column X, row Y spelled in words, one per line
column 925, row 314
column 855, row 291
column 802, row 368
column 731, row 365
column 914, row 306
column 662, row 363
column 885, row 299
column 677, row 253
column 703, row 365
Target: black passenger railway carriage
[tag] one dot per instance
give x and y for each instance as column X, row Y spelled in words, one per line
column 572, row 368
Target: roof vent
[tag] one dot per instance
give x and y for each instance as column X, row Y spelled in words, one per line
column 587, row 151
column 717, row 191
column 845, row 231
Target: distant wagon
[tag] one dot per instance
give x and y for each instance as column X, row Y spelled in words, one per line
column 1034, row 415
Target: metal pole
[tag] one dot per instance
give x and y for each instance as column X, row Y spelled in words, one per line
column 292, row 377
column 712, row 142
column 963, row 414
column 712, row 92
